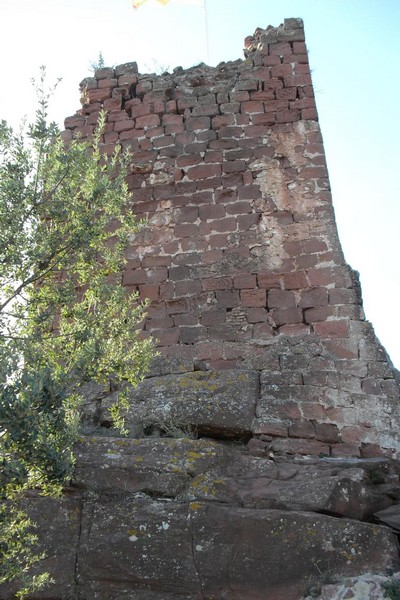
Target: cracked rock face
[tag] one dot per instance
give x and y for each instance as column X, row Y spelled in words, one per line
column 164, row 518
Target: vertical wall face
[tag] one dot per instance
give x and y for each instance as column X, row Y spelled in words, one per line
column 241, row 258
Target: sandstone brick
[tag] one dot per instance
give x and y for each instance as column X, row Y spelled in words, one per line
column 253, row 298
column 327, row 432
column 269, row 281
column 345, row 450
column 284, row 316
column 301, row 429
column 213, row 317
column 262, row 331
column 314, row 297
column 339, row 328
column 295, row 281
column 280, row 298
column 304, row 447
column 204, row 171
column 245, row 280
column 149, row 291
column 227, row 298
column 217, row 283
column 221, row 225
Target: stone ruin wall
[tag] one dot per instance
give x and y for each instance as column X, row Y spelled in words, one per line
column 241, row 258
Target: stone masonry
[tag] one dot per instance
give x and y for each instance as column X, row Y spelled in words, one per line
column 240, row 256
column 261, row 455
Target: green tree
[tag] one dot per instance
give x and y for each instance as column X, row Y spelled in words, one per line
column 65, row 319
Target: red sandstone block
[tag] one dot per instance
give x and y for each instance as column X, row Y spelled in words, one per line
column 153, row 131
column 213, row 317
column 223, row 144
column 166, row 290
column 187, row 288
column 264, row 119
column 185, row 230
column 107, row 83
column 211, row 211
column 214, row 156
column 97, row 95
column 217, row 283
column 304, row 447
column 257, row 315
column 286, row 94
column 314, row 315
column 345, row 450
column 156, row 261
column 245, row 281
column 252, row 106
column 298, row 80
column 169, row 119
column 330, row 329
column 288, row 116
column 167, row 337
column 204, row 197
column 195, row 148
column 229, row 107
column 269, row 281
column 204, row 171
column 327, row 432
column 186, row 214
column 294, row 281
column 222, row 225
column 147, row 121
column 75, row 121
column 197, row 123
column 352, row 434
column 227, row 298
column 274, row 428
column 294, row 329
column 320, row 277
column 280, row 298
column 233, row 166
column 134, row 277
column 140, row 110
column 371, row 387
column 253, row 298
column 249, row 192
column 164, row 141
column 222, row 121
column 149, row 291
column 299, row 48
column 280, row 49
column 205, row 110
column 247, row 221
column 313, row 172
column 255, row 131
column 374, row 451
column 284, row 316
column 314, row 297
column 301, row 429
column 159, row 323
column 239, row 208
column 262, row 331
column 309, row 114
column 283, row 70
column 233, row 180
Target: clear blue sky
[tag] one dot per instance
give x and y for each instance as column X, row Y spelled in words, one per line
column 354, row 48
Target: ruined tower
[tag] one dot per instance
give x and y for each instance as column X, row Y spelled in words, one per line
column 261, row 437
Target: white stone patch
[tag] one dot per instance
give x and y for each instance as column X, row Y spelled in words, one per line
column 133, row 538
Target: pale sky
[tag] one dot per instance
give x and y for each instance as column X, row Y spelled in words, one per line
column 354, row 48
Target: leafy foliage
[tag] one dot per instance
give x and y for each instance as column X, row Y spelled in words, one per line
column 65, row 318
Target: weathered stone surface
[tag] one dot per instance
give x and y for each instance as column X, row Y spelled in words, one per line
column 219, row 402
column 58, row 528
column 369, row 586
